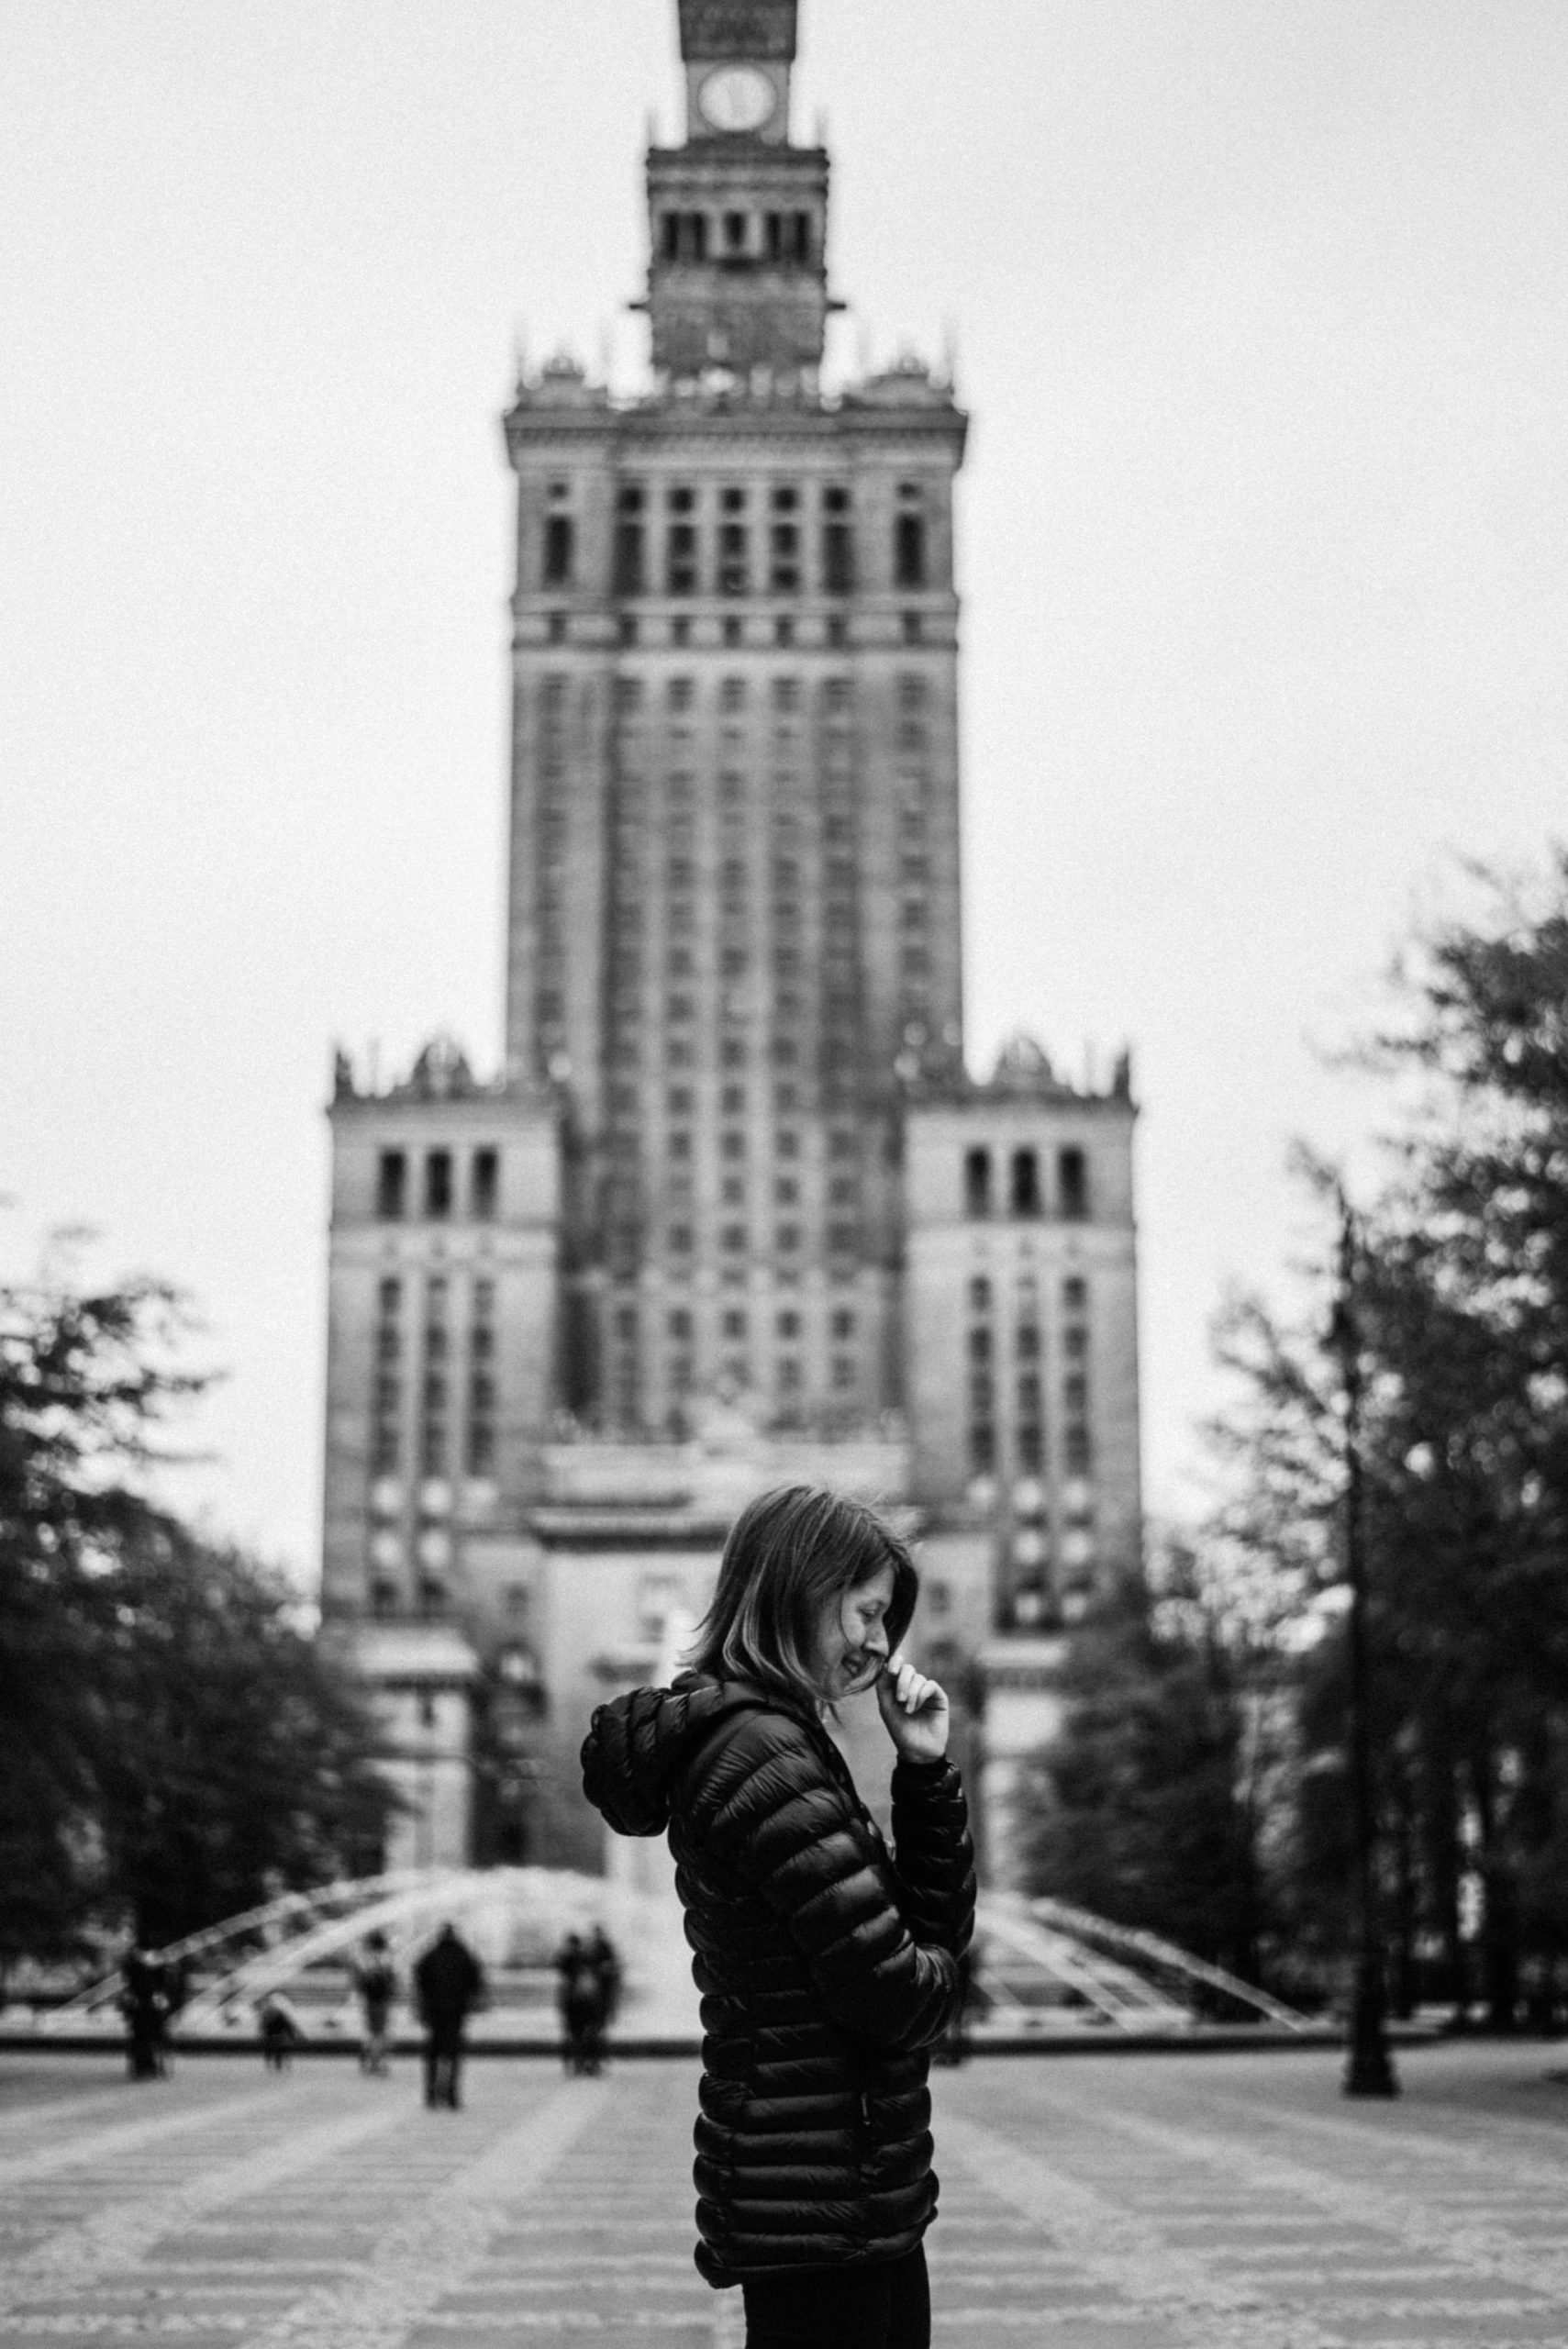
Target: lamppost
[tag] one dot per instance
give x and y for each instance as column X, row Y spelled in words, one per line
column 1369, row 2070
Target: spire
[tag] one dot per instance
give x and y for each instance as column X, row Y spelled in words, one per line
column 711, row 29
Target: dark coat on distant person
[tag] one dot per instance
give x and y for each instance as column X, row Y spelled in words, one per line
column 826, row 1967
column 448, row 1984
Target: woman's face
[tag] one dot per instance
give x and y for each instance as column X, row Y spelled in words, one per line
column 852, row 1637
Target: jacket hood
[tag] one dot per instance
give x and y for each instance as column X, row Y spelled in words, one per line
column 637, row 1745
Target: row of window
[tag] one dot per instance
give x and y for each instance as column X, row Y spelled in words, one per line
column 784, row 629
column 735, row 237
column 736, row 1322
column 738, row 555
column 402, row 1181
column 1021, row 1172
column 998, row 1403
column 451, row 1398
column 786, row 695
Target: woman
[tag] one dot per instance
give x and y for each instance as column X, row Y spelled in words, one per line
column 828, row 1966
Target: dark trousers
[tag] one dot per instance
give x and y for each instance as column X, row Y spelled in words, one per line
column 443, row 2064
column 887, row 2306
column 585, row 2022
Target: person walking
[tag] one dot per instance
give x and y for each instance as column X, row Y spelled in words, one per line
column 142, row 2004
column 449, row 1983
column 578, row 1993
column 606, row 1961
column 829, row 1965
column 376, row 1984
column 278, row 2028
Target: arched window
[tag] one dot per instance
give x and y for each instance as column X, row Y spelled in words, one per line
column 977, row 1182
column 1026, row 1183
column 1072, row 1183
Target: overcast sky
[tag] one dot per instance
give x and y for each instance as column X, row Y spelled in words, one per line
column 1262, row 312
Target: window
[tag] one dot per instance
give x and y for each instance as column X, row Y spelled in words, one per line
column 681, row 560
column 734, row 1325
column 980, row 1294
column 1077, row 1455
column 391, row 1186
column 487, row 1183
column 685, row 236
column 982, row 1448
column 977, row 1182
column 1072, row 1183
column 734, row 566
column 1032, row 1448
column 1074, row 1296
column 1028, row 1341
column 630, row 576
column 788, row 1325
column 732, row 694
column 559, row 546
column 433, row 1397
column 735, row 232
column 439, row 1183
column 980, row 1345
column 838, row 544
column 386, row 1446
column 910, row 550
column 1026, row 1183
column 783, row 574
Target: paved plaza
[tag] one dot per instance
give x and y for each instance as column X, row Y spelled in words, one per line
column 1095, row 2202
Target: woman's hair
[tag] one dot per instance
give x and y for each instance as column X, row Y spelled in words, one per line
column 788, row 1552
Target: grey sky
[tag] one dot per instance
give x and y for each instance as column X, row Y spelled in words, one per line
column 1261, row 313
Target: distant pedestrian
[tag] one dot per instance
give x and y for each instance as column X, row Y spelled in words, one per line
column 279, row 2029
column 608, row 1966
column 142, row 2004
column 829, row 1965
column 449, row 1984
column 173, row 1994
column 376, row 1984
column 580, row 1993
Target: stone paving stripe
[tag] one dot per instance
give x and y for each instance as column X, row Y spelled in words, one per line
column 436, row 2248
column 119, row 2235
column 1130, row 2259
column 1490, row 2153
column 130, row 2136
column 1416, row 2223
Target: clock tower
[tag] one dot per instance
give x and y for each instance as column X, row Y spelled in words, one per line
column 738, row 55
column 738, row 283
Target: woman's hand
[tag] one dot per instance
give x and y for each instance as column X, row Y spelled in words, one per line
column 915, row 1710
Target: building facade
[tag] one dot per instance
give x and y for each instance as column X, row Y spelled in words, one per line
column 733, row 1211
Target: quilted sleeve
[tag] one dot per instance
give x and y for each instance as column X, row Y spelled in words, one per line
column 616, row 1754
column 932, row 1852
column 770, row 1808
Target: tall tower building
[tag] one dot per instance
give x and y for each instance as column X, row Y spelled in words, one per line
column 734, row 882
column 733, row 1211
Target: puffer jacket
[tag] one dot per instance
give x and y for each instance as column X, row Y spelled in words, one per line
column 827, row 1965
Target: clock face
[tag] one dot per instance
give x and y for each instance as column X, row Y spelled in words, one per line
column 737, row 97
